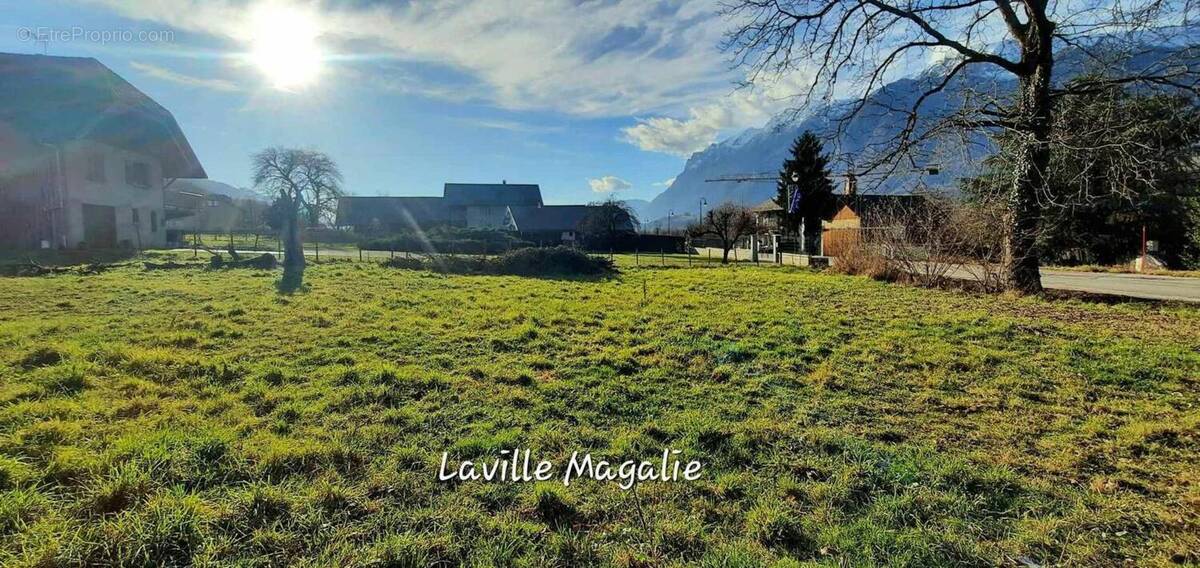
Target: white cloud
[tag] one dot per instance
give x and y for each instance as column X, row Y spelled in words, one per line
column 749, row 107
column 511, row 125
column 665, row 183
column 608, row 184
column 183, row 79
column 611, row 58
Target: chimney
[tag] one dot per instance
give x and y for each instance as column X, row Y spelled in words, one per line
column 851, row 185
column 503, row 182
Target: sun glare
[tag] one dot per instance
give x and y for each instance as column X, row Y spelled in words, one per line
column 284, row 45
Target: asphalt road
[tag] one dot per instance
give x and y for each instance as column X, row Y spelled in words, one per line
column 1130, row 285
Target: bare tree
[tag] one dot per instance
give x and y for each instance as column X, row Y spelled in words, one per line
column 850, row 48
column 607, row 223
column 728, row 222
column 296, row 179
column 937, row 239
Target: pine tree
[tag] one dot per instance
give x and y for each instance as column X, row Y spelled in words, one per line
column 810, row 167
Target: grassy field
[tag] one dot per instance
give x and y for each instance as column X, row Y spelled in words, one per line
column 192, row 416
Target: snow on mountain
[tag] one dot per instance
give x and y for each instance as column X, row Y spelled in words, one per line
column 763, row 150
column 757, row 151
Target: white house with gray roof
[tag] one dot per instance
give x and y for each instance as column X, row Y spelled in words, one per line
column 84, row 156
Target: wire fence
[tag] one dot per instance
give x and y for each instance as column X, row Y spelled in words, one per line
column 699, row 252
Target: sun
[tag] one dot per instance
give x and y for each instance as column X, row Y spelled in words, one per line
column 284, row 45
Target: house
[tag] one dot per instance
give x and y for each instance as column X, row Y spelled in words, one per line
column 84, row 156
column 468, row 205
column 548, row 224
column 857, row 214
column 195, row 211
column 384, row 215
column 768, row 216
column 485, row 205
column 190, row 208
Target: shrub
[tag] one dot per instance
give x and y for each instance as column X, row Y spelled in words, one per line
column 863, row 260
column 447, row 240
column 460, row 265
column 557, row 260
column 403, row 263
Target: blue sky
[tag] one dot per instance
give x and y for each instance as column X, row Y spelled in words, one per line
column 584, row 97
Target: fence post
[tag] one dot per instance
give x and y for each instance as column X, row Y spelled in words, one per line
column 637, row 257
column 360, row 254
column 663, row 255
column 317, row 248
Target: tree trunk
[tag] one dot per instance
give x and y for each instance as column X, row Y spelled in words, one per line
column 1030, row 166
column 293, row 251
column 725, row 254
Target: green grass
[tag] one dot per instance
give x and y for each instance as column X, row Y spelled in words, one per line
column 191, row 416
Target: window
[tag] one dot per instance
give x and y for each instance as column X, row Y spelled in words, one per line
column 136, row 220
column 137, row 174
column 95, row 170
column 153, row 221
column 214, row 203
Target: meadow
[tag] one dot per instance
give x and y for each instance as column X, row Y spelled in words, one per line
column 198, row 417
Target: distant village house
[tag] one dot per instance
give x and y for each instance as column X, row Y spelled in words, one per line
column 854, row 213
column 503, row 206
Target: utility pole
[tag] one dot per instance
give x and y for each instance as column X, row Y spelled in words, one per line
column 1143, row 267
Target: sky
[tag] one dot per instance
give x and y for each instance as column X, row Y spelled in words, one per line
column 588, row 98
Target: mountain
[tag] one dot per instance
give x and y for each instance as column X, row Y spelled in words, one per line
column 763, row 150
column 208, row 186
column 639, row 206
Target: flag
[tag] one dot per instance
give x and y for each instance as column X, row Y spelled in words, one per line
column 794, row 203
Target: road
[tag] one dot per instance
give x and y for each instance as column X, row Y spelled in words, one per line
column 1149, row 287
column 1132, row 285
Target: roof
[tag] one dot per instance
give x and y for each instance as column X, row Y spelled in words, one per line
column 766, row 206
column 846, row 212
column 492, row 194
column 59, row 99
column 411, row 211
column 549, row 217
column 872, row 206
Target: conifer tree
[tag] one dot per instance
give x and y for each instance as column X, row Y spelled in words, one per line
column 807, row 171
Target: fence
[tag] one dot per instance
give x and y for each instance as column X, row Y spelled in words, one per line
column 702, row 252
